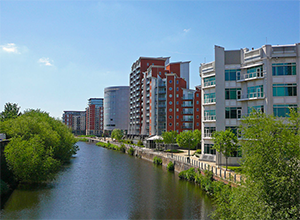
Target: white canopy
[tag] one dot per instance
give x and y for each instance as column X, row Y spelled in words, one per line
column 155, row 137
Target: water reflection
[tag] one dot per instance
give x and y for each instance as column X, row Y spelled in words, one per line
column 104, row 184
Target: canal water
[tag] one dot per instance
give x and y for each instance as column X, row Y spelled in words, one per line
column 105, row 184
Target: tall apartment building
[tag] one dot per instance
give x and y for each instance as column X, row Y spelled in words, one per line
column 94, row 117
column 166, row 101
column 116, row 108
column 75, row 120
column 266, row 79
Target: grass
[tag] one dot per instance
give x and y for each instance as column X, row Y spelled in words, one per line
column 83, row 139
column 174, row 151
column 234, row 169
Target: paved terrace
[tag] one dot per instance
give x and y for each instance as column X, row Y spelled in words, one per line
column 220, row 173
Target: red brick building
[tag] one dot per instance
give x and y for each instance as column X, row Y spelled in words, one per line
column 94, row 117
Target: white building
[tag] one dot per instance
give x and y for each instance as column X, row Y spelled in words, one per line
column 265, row 79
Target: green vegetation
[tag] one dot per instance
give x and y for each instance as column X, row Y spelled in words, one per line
column 130, row 151
column 123, row 148
column 235, row 169
column 117, row 134
column 11, row 111
column 271, row 167
column 197, row 153
column 126, row 141
column 157, row 160
column 39, row 145
column 83, row 139
column 3, row 187
column 109, row 146
column 189, row 139
column 170, row 166
column 225, row 142
column 140, row 144
column 91, row 136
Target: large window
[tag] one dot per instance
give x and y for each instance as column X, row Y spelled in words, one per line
column 209, row 114
column 209, row 81
column 282, row 110
column 231, row 93
column 254, row 72
column 255, row 91
column 231, row 75
column 210, row 97
column 285, row 89
column 208, row 131
column 208, row 149
column 283, row 69
column 258, row 108
column 233, row 112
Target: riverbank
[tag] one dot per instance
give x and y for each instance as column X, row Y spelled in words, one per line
column 181, row 161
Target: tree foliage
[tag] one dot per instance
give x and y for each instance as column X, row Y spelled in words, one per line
column 39, row 145
column 11, row 111
column 188, row 139
column 225, row 142
column 117, row 134
column 271, row 166
column 169, row 137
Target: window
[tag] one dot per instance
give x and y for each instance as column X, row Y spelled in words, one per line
column 197, row 116
column 282, row 110
column 197, row 124
column 255, row 91
column 170, row 81
column 177, row 95
column 208, row 149
column 177, row 103
column 159, row 73
column 231, row 93
column 285, row 89
column 177, row 124
column 283, row 69
column 210, row 97
column 197, row 109
column 177, row 89
column 177, row 109
column 258, row 108
column 170, row 110
column 170, row 95
column 197, row 95
column 230, row 75
column 209, row 81
column 208, row 131
column 232, row 128
column 170, row 117
column 197, row 102
column 170, row 102
column 177, row 117
column 177, row 81
column 233, row 112
column 170, row 88
column 170, row 124
column 209, row 114
column 254, row 72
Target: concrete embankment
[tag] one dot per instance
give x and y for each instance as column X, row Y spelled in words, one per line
column 182, row 162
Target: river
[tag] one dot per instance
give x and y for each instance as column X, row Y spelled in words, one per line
column 105, row 184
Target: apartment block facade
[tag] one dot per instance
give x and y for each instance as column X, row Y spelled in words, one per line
column 266, row 79
column 75, row 120
column 116, row 108
column 166, row 102
column 94, row 117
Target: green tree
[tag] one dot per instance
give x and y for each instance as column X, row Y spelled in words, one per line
column 117, row 134
column 188, row 139
column 169, row 137
column 11, row 110
column 39, row 145
column 225, row 142
column 271, row 166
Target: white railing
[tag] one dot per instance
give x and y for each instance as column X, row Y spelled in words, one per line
column 209, row 100
column 210, row 83
column 209, row 117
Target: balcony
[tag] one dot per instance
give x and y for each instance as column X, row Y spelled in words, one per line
column 207, row 135
column 161, row 105
column 187, row 126
column 209, row 101
column 251, row 76
column 209, row 118
column 187, row 106
column 190, row 97
column 187, row 112
column 251, row 96
column 187, row 119
column 209, row 84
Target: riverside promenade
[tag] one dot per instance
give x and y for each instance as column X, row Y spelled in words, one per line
column 181, row 161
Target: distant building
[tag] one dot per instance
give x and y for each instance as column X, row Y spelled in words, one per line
column 75, row 120
column 162, row 101
column 116, row 108
column 94, row 117
column 266, row 79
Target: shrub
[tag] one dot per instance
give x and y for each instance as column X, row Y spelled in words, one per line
column 130, row 151
column 170, row 166
column 188, row 174
column 140, row 143
column 83, row 139
column 157, row 160
column 174, row 151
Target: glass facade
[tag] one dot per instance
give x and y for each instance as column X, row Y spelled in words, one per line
column 231, row 75
column 255, row 91
column 208, row 149
column 209, row 114
column 256, row 108
column 285, row 89
column 233, row 112
column 210, row 97
column 209, row 81
column 282, row 110
column 208, row 131
column 231, row 93
column 254, row 72
column 283, row 69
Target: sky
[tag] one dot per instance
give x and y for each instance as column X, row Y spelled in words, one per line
column 55, row 55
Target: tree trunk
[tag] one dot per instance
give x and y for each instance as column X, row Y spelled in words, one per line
column 226, row 162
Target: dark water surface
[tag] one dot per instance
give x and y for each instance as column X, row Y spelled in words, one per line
column 105, row 184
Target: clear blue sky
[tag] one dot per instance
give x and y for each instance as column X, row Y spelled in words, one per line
column 54, row 55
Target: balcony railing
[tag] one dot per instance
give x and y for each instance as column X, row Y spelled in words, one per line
column 187, row 105
column 187, row 112
column 187, row 126
column 252, row 95
column 187, row 119
column 252, row 76
column 209, row 100
column 207, row 135
column 210, row 83
column 209, row 117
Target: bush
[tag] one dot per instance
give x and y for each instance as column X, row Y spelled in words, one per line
column 123, row 148
column 157, row 160
column 188, row 174
column 109, row 146
column 3, row 187
column 130, row 151
column 170, row 166
column 174, row 151
column 198, row 151
column 83, row 139
column 140, row 143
